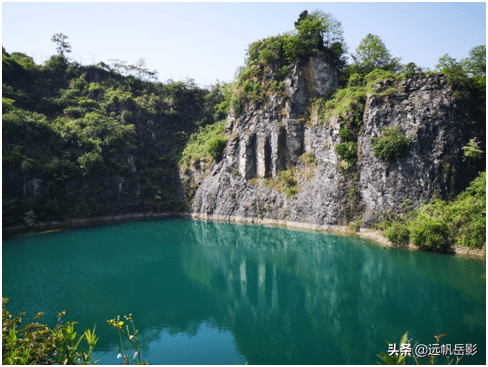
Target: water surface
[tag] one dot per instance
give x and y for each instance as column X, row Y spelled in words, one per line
column 222, row 293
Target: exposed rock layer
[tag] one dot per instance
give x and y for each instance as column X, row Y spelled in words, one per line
column 269, row 137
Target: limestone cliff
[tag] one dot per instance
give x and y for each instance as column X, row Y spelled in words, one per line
column 89, row 142
column 274, row 135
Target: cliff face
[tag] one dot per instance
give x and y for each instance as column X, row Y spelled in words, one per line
column 271, row 137
column 43, row 177
column 280, row 162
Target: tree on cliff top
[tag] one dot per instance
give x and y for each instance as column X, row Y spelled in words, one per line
column 372, row 54
column 321, row 31
column 63, row 45
column 469, row 73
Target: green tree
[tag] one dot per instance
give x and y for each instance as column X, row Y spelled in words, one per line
column 455, row 73
column 411, row 69
column 467, row 73
column 446, row 62
column 475, row 66
column 322, row 31
column 63, row 46
column 138, row 70
column 141, row 71
column 372, row 54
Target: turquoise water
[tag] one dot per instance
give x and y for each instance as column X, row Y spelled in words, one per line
column 222, row 293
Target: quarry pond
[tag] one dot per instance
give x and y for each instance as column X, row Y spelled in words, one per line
column 225, row 293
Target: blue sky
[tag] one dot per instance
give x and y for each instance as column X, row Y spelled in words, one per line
column 208, row 41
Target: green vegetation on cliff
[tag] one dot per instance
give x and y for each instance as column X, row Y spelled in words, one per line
column 104, row 139
column 206, row 145
column 75, row 137
column 392, row 143
column 436, row 225
column 267, row 60
column 372, row 65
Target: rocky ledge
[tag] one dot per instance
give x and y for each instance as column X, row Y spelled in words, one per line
column 275, row 135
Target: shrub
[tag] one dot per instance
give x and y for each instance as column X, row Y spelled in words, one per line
column 410, row 70
column 429, row 233
column 289, row 181
column 56, row 63
column 265, row 55
column 344, row 133
column 293, row 47
column 60, row 169
column 90, row 208
column 344, row 166
column 343, row 102
column 472, row 150
column 252, row 89
column 355, row 80
column 7, row 105
column 224, row 93
column 391, row 144
column 216, row 146
column 398, row 233
column 290, row 191
column 434, row 225
column 348, row 151
column 235, row 104
column 378, row 75
column 91, row 162
column 24, row 60
column 35, row 343
column 467, row 214
column 279, row 88
column 288, row 178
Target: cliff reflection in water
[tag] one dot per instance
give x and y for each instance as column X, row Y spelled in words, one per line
column 300, row 296
column 282, row 296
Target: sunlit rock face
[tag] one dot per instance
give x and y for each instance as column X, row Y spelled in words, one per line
column 270, row 136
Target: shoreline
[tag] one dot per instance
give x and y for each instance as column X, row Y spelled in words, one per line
column 366, row 233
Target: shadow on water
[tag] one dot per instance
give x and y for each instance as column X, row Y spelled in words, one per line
column 262, row 295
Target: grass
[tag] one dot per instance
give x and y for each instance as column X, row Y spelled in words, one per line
column 254, row 181
column 208, row 144
column 309, row 159
column 349, row 102
column 286, row 183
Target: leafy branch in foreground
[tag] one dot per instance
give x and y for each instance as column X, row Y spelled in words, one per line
column 35, row 343
column 398, row 356
column 133, row 341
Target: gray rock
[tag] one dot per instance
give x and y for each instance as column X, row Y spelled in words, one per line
column 269, row 138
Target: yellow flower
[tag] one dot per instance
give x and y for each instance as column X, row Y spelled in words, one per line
column 121, row 323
